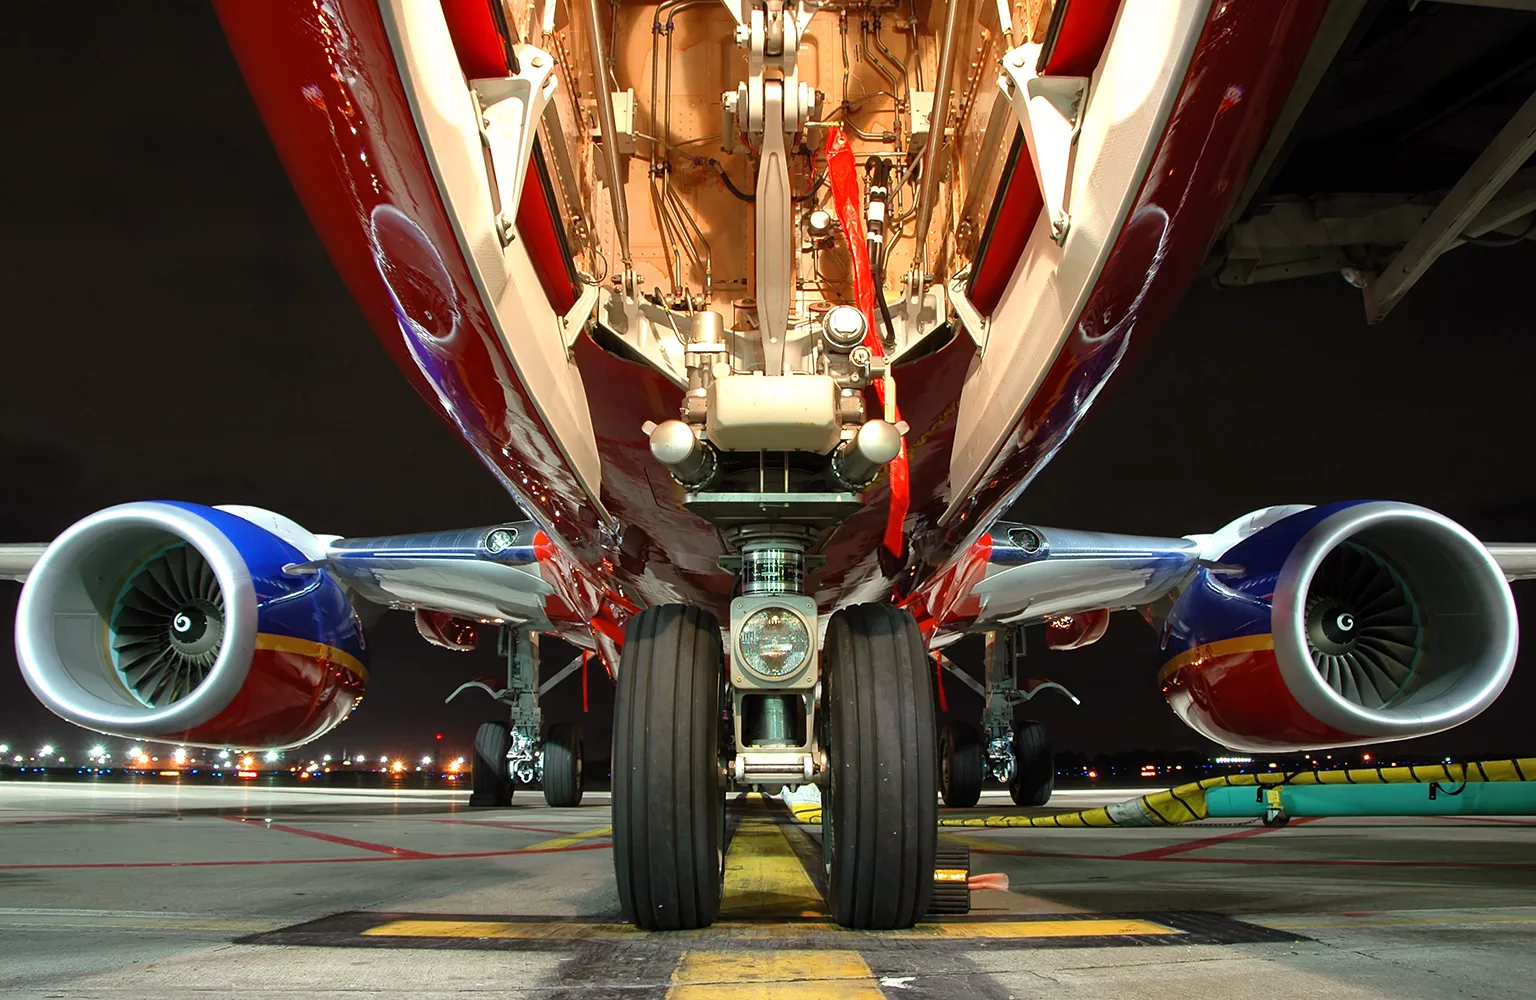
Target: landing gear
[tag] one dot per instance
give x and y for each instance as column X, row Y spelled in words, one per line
column 1034, row 766
column 562, row 766
column 668, row 781
column 555, row 760
column 880, row 813
column 490, row 782
column 962, row 763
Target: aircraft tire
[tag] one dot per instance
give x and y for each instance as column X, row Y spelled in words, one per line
column 880, row 815
column 962, row 760
column 562, row 766
column 1034, row 766
column 668, row 790
column 490, row 784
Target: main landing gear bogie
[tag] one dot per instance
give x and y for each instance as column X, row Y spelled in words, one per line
column 513, row 752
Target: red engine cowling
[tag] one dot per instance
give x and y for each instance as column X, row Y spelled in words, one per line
column 182, row 623
column 1340, row 625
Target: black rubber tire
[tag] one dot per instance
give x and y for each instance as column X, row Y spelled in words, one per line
column 880, row 815
column 562, row 766
column 1034, row 766
column 961, row 760
column 668, row 786
column 490, row 783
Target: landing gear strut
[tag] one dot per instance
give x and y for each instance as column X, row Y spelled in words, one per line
column 510, row 752
column 1017, row 751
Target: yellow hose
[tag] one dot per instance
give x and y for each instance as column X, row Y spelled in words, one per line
column 1186, row 803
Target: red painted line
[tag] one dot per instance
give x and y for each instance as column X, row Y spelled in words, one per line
column 1158, row 853
column 303, row 861
column 364, row 845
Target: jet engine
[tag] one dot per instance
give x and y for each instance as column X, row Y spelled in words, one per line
column 1339, row 625
column 190, row 624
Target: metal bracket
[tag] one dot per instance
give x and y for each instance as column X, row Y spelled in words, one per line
column 510, row 109
column 1050, row 110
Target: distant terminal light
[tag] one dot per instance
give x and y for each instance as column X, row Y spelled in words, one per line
column 270, row 757
column 1234, row 760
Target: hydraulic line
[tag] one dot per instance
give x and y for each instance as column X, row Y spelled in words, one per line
column 936, row 129
column 605, row 119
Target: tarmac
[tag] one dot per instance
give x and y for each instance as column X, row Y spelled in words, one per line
column 161, row 889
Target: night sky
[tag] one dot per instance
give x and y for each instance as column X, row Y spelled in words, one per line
column 172, row 329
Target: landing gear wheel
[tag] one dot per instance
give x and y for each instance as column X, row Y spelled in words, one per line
column 961, row 760
column 668, row 788
column 1034, row 766
column 562, row 766
column 880, row 815
column 489, row 782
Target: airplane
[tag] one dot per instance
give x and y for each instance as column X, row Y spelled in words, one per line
column 764, row 314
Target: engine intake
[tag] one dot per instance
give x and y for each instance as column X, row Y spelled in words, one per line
column 1340, row 625
column 177, row 622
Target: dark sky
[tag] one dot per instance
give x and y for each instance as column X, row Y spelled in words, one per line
column 173, row 329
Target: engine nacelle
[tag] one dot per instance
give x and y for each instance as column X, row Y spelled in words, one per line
column 177, row 622
column 1339, row 625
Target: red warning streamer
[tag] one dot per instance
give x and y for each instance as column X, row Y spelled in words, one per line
column 843, row 175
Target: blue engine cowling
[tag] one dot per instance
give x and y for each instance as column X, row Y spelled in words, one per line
column 1343, row 624
column 177, row 622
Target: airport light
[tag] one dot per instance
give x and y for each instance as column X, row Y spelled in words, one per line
column 223, row 755
column 5, row 748
column 180, row 756
column 397, row 766
column 271, row 756
column 135, row 751
column 326, row 758
column 46, row 751
column 98, row 751
column 425, row 761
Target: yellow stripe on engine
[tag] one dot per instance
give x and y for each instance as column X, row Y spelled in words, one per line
column 313, row 650
column 1222, row 647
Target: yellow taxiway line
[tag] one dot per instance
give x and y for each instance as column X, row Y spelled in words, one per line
column 768, row 896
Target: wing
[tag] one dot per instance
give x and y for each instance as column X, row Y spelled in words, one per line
column 16, row 561
column 1020, row 574
column 489, row 573
column 1516, row 559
